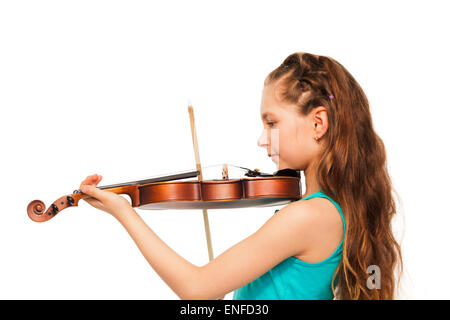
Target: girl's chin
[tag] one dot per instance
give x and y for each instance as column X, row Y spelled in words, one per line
column 275, row 159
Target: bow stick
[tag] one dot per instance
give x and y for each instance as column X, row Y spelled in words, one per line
column 200, row 177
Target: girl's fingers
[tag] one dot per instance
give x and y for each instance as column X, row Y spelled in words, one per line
column 91, row 180
column 88, row 180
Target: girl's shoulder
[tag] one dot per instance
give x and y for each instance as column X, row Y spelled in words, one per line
column 320, row 217
column 320, row 209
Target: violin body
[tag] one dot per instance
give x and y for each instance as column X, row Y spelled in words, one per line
column 269, row 190
column 218, row 194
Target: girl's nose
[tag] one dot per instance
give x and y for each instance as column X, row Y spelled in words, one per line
column 262, row 140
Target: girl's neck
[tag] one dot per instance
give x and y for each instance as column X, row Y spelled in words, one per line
column 310, row 181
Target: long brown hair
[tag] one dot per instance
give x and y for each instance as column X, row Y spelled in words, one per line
column 353, row 164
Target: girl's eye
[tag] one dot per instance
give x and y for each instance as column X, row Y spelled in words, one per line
column 270, row 124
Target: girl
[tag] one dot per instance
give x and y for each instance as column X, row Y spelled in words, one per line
column 316, row 118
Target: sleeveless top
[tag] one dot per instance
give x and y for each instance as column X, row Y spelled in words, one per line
column 294, row 279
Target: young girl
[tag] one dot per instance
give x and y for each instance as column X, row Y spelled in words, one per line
column 323, row 246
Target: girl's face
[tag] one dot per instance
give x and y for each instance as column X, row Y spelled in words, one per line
column 289, row 136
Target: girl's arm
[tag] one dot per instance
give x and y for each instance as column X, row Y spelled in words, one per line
column 286, row 233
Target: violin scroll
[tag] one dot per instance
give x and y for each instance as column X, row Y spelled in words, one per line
column 36, row 208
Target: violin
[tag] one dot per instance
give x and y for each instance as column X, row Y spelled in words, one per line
column 168, row 192
column 172, row 192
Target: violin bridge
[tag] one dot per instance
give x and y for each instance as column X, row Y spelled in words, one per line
column 225, row 172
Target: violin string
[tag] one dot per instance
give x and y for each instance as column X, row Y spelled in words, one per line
column 232, row 165
column 173, row 174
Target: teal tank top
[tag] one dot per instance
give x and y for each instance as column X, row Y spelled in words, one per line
column 294, row 279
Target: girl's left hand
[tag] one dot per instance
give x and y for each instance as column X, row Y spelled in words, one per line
column 104, row 200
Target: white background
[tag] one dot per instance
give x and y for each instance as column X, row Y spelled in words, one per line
column 102, row 87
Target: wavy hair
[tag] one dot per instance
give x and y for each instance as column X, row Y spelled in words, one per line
column 353, row 164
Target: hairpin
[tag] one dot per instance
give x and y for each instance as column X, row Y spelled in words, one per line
column 331, row 97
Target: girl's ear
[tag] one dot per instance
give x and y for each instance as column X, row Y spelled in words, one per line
column 320, row 122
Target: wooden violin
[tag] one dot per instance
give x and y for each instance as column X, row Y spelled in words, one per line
column 167, row 192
